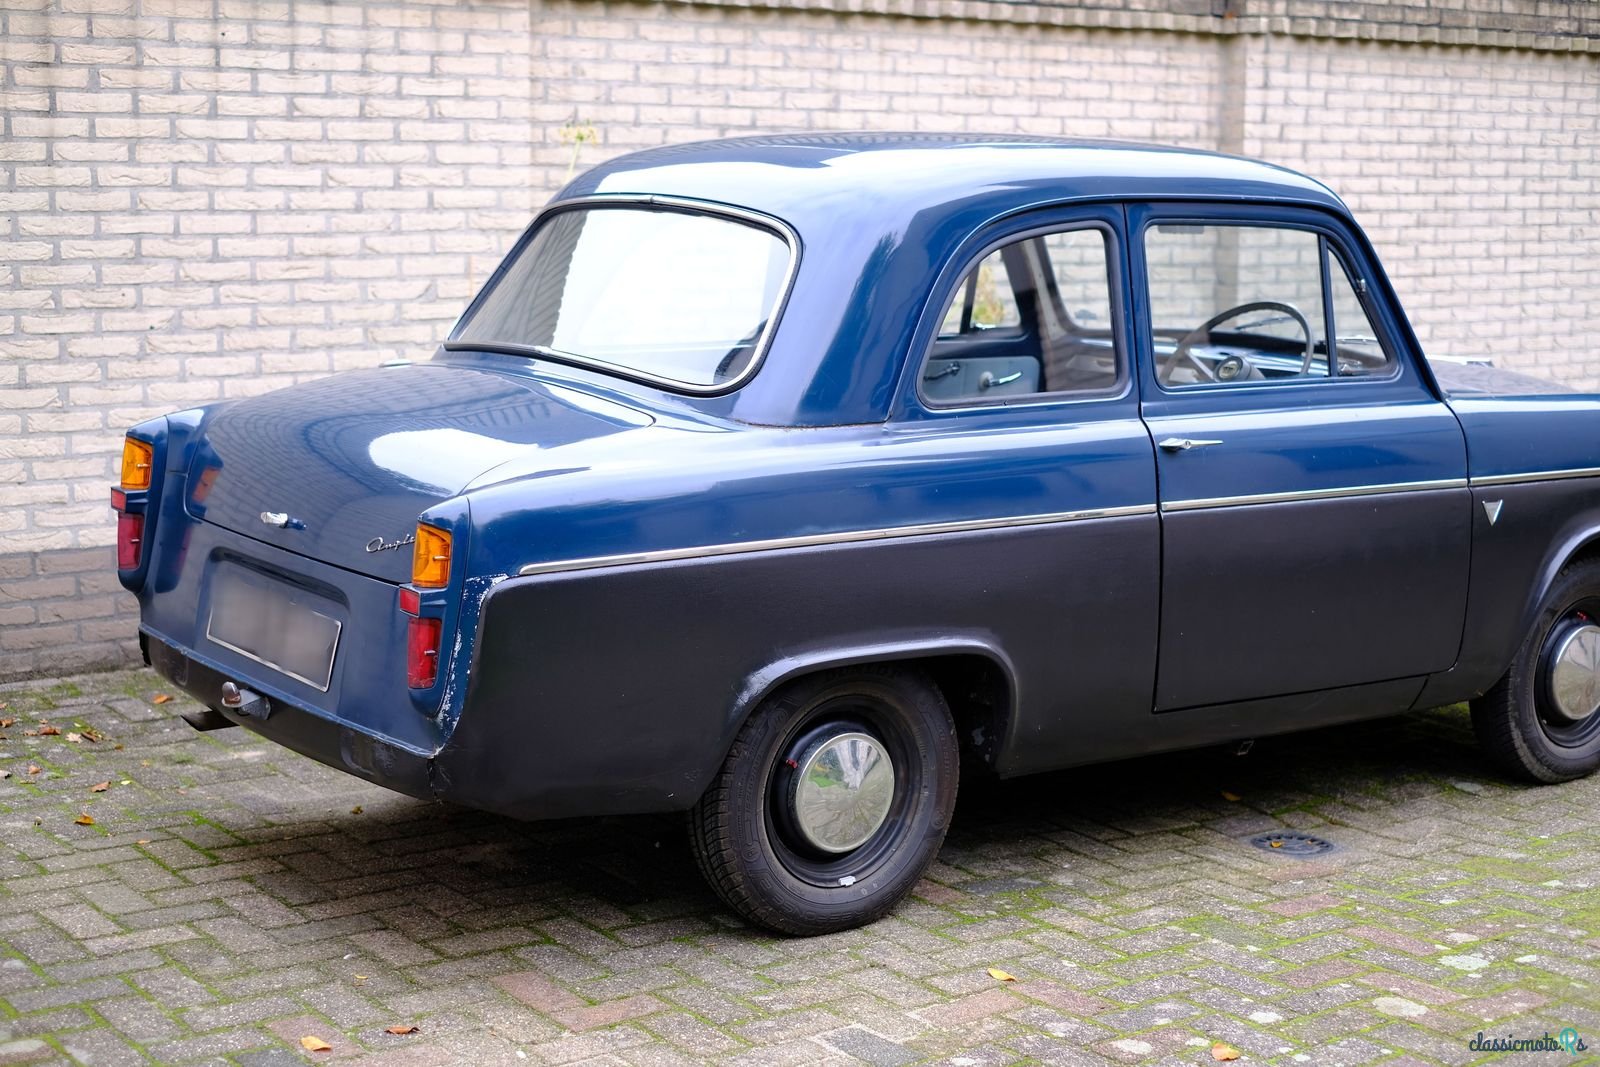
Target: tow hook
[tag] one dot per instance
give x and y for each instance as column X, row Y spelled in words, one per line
column 250, row 704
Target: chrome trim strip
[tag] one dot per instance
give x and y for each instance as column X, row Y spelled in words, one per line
column 844, row 537
column 685, row 205
column 1312, row 494
column 1537, row 476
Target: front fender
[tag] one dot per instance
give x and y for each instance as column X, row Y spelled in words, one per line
column 1540, row 527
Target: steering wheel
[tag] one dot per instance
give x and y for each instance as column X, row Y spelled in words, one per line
column 1183, row 351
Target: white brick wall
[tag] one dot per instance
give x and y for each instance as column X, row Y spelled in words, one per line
column 1476, row 173
column 211, row 198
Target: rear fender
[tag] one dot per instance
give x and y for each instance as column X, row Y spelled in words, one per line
column 762, row 684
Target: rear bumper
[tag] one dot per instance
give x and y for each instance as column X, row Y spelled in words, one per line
column 337, row 744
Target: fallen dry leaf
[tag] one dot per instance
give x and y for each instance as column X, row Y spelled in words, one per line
column 74, row 739
column 1276, row 844
column 361, row 978
column 91, row 734
column 49, row 731
column 356, row 810
column 401, row 1030
column 163, row 698
column 1000, row 976
column 7, row 723
column 314, row 1044
column 33, row 768
column 142, row 841
column 99, row 787
column 1231, row 796
column 1223, row 1052
column 84, row 819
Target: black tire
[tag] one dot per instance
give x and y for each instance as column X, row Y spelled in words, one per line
column 757, row 861
column 1516, row 726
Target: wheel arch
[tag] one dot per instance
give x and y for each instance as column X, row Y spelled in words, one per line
column 975, row 677
column 1572, row 546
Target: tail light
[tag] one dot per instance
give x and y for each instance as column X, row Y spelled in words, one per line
column 130, row 536
column 423, row 601
column 130, row 499
column 422, row 653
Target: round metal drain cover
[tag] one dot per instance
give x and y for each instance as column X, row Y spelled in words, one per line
column 1290, row 843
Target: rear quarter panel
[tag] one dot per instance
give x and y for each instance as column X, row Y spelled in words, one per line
column 619, row 687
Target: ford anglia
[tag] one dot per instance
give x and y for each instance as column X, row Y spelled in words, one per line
column 780, row 481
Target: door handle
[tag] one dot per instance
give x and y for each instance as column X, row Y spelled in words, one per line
column 1183, row 444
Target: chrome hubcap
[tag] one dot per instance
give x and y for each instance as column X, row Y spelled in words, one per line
column 843, row 789
column 1575, row 673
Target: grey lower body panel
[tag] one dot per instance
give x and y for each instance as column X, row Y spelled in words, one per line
column 621, row 689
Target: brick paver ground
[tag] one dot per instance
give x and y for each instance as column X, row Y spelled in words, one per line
column 230, row 898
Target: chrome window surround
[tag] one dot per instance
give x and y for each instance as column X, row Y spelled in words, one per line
column 1120, row 346
column 845, row 537
column 1336, row 247
column 684, row 205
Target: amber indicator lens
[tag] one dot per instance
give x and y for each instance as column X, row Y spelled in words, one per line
column 136, row 458
column 430, row 561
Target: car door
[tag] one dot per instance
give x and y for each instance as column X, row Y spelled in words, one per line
column 1021, row 392
column 1314, row 511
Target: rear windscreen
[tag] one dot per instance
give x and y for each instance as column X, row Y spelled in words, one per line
column 672, row 296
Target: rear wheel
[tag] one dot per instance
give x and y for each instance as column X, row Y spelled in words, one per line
column 1542, row 720
column 832, row 802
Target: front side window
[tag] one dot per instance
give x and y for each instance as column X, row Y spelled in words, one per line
column 671, row 296
column 1032, row 318
column 1231, row 303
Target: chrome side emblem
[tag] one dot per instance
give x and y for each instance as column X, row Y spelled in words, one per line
column 378, row 544
column 1491, row 508
column 282, row 520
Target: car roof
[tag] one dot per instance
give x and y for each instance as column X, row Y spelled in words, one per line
column 879, row 215
column 795, row 176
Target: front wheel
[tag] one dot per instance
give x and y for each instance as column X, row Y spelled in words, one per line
column 1542, row 720
column 832, row 802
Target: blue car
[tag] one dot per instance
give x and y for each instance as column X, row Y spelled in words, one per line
column 782, row 481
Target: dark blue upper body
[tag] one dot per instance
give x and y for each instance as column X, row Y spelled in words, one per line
column 1334, row 541
column 880, row 217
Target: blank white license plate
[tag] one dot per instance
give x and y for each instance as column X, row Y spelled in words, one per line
column 273, row 623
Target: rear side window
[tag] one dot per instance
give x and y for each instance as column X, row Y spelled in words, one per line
column 1258, row 304
column 676, row 297
column 1031, row 319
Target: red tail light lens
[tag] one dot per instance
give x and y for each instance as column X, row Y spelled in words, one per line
column 422, row 653
column 130, row 536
